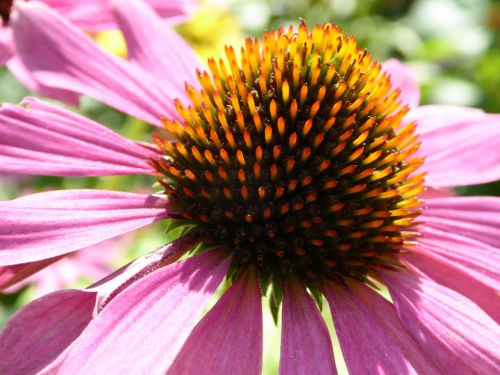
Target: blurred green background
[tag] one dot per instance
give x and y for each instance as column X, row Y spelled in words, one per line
column 453, row 45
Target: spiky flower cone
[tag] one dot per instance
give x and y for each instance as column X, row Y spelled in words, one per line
column 296, row 158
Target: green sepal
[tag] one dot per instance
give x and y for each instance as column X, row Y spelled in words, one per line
column 317, row 295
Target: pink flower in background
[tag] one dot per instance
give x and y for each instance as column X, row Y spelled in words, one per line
column 91, row 264
column 298, row 175
column 89, row 15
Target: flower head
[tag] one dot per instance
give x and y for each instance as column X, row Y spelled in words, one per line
column 297, row 160
column 297, row 167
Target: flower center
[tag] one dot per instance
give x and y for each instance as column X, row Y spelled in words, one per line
column 5, row 9
column 296, row 158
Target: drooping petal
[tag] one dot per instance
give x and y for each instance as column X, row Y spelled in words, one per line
column 228, row 340
column 46, row 225
column 477, row 218
column 166, row 54
column 60, row 55
column 38, row 334
column 306, row 346
column 5, row 45
column 143, row 328
column 475, row 258
column 95, row 15
column 405, row 79
column 453, row 331
column 38, row 138
column 10, row 275
column 460, row 145
column 24, row 75
column 453, row 275
column 115, row 283
column 90, row 302
column 372, row 339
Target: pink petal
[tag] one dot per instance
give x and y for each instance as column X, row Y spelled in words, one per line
column 39, row 333
column 174, row 10
column 115, row 283
column 144, row 327
column 88, row 302
column 95, row 15
column 475, row 258
column 228, row 340
column 23, row 75
column 454, row 332
column 372, row 339
column 453, row 276
column 477, row 218
column 431, row 193
column 178, row 62
column 5, row 45
column 460, row 145
column 60, row 55
column 39, row 138
column 405, row 79
column 306, row 346
column 10, row 275
column 46, row 225
column 434, row 117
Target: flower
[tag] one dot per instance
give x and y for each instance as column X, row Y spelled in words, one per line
column 94, row 15
column 91, row 264
column 297, row 169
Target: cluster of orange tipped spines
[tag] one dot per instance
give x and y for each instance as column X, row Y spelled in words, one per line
column 305, row 118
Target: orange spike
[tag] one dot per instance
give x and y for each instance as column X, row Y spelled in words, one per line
column 285, row 92
column 279, row 192
column 227, row 193
column 356, row 154
column 273, row 109
column 306, row 153
column 210, row 157
column 256, row 170
column 338, row 149
column 293, row 110
column 285, row 207
column 258, row 153
column 240, row 121
column 268, row 134
column 303, row 94
column 261, row 191
column 274, row 172
column 314, row 109
column 223, row 174
column 276, row 152
column 224, row 156
column 240, row 157
column 281, row 126
column 307, row 127
column 215, row 138
column 230, row 139
column 244, row 193
column 241, row 176
column 258, row 123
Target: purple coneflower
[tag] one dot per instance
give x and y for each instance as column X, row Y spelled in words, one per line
column 89, row 15
column 297, row 172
